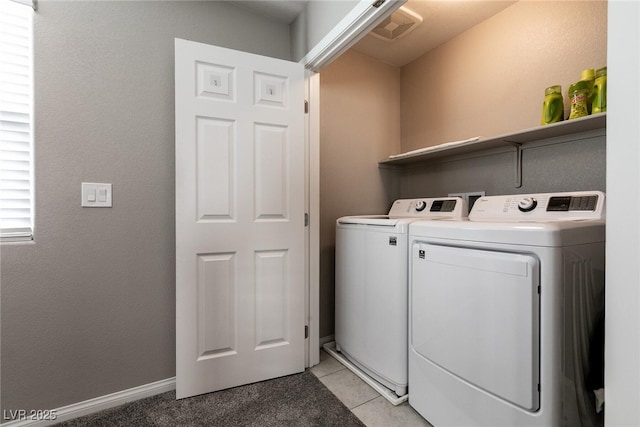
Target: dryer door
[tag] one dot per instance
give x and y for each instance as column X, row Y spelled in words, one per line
column 475, row 313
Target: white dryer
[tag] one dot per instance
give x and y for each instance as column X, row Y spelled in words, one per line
column 371, row 288
column 501, row 312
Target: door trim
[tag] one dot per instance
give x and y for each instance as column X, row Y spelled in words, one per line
column 362, row 19
column 312, row 132
column 355, row 25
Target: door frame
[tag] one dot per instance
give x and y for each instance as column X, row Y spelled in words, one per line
column 312, row 202
column 354, row 26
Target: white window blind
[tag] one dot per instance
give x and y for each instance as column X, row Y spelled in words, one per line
column 16, row 88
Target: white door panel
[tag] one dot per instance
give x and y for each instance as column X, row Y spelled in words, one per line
column 475, row 313
column 239, row 218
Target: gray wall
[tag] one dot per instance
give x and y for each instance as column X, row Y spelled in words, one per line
column 317, row 20
column 573, row 163
column 622, row 329
column 359, row 125
column 88, row 308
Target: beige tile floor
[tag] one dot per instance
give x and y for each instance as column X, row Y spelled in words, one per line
column 366, row 403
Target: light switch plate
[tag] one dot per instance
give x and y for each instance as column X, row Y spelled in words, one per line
column 96, row 195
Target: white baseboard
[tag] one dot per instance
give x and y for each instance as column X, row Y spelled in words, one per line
column 94, row 405
column 327, row 339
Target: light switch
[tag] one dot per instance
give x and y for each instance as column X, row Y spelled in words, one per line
column 96, row 195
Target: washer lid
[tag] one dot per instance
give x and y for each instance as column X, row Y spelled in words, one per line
column 404, row 211
column 379, row 220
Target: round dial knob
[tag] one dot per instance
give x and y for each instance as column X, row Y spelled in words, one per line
column 420, row 205
column 527, row 204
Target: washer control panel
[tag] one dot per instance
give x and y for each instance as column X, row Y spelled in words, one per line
column 446, row 207
column 540, row 207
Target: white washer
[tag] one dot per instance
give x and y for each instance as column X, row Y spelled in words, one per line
column 501, row 312
column 371, row 286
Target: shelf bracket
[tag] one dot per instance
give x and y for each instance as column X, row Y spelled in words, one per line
column 518, row 153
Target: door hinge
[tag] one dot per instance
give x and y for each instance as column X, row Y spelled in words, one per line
column 378, row 3
column 306, row 332
column 306, row 106
column 306, row 219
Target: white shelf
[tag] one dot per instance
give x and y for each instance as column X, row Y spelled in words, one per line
column 564, row 128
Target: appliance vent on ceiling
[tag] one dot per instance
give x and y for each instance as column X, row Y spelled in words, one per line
column 399, row 24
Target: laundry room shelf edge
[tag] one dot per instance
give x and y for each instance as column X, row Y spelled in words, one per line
column 564, row 128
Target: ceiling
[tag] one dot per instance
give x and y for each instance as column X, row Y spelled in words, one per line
column 442, row 21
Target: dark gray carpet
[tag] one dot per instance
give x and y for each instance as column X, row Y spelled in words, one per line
column 295, row 400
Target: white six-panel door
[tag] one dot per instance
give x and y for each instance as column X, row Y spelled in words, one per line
column 240, row 250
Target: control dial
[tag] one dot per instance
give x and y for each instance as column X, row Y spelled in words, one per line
column 527, row 204
column 420, row 205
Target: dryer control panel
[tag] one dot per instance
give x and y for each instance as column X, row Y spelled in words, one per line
column 429, row 208
column 570, row 206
